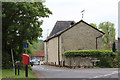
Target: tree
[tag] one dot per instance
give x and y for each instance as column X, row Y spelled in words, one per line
column 113, row 47
column 36, row 46
column 94, row 25
column 21, row 23
column 109, row 37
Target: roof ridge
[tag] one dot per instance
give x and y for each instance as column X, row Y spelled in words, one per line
column 59, row 26
column 58, row 33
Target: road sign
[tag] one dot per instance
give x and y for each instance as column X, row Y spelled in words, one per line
column 25, row 45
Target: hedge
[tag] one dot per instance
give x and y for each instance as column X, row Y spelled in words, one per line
column 93, row 53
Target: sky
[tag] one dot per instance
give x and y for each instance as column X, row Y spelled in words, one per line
column 96, row 11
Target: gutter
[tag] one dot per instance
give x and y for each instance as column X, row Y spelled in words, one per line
column 96, row 41
column 58, row 52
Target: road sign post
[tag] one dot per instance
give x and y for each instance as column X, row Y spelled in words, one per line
column 18, row 70
column 15, row 69
column 26, row 46
column 26, row 66
column 26, row 70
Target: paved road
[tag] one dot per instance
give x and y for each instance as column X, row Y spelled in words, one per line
column 43, row 71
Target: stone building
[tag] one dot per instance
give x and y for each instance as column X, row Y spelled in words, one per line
column 68, row 35
column 118, row 44
column 38, row 55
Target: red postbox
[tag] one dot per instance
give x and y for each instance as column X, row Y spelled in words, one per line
column 26, row 60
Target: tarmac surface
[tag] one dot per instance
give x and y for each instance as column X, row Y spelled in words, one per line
column 44, row 71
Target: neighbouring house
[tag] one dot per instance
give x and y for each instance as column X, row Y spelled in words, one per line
column 68, row 35
column 118, row 44
column 38, row 55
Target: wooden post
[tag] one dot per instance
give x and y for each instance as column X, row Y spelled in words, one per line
column 26, row 70
column 15, row 69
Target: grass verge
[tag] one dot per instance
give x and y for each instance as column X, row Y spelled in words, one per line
column 10, row 73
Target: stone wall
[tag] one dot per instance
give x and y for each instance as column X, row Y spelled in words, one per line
column 52, row 51
column 78, row 61
column 80, row 36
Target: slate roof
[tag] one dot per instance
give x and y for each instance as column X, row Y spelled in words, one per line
column 61, row 25
column 54, row 32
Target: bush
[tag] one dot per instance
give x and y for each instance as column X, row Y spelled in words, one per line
column 6, row 61
column 113, row 47
column 105, row 61
column 81, row 48
column 93, row 53
column 105, row 56
column 116, row 61
column 22, row 66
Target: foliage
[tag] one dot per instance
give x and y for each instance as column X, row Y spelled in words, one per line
column 94, row 25
column 105, row 61
column 35, row 46
column 106, row 57
column 21, row 23
column 113, row 47
column 81, row 48
column 109, row 37
column 116, row 61
column 41, row 46
column 6, row 61
column 93, row 53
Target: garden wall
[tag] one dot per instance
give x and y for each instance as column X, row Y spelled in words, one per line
column 85, row 58
column 78, row 61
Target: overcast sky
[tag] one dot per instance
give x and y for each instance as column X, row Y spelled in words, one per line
column 96, row 11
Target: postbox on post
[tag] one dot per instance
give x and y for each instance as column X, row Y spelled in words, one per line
column 26, row 60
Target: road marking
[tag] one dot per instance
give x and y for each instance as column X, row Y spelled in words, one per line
column 106, row 75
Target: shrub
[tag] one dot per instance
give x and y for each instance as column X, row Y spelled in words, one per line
column 116, row 61
column 93, row 53
column 105, row 56
column 22, row 66
column 6, row 61
column 81, row 48
column 113, row 47
column 105, row 61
